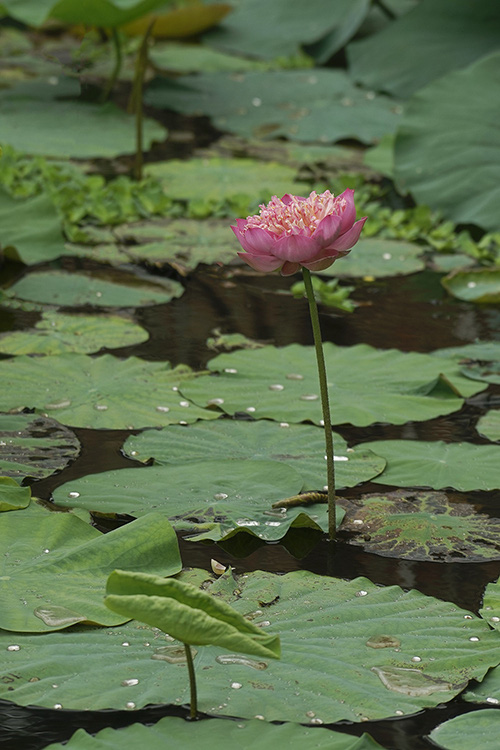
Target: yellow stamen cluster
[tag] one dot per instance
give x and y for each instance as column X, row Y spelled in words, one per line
column 298, row 216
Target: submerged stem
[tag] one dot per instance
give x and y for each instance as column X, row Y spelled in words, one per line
column 193, row 708
column 325, row 404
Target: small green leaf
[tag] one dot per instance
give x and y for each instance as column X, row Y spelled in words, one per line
column 478, row 285
column 186, row 613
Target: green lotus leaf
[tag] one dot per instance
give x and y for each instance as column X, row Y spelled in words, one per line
column 250, row 30
column 421, row 526
column 489, row 373
column 479, row 350
column 186, row 613
column 217, row 179
column 436, row 464
column 437, row 126
column 475, row 729
column 489, row 425
column 12, row 496
column 367, row 385
column 314, row 105
column 34, row 446
column 424, row 44
column 90, row 392
column 78, row 289
column 477, row 285
column 299, row 446
column 446, row 263
column 44, row 117
column 191, row 58
column 378, row 258
column 177, row 734
column 31, row 229
column 57, row 565
column 201, row 496
column 351, row 651
column 57, row 333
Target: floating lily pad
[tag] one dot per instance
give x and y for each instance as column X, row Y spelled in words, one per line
column 422, row 526
column 489, row 425
column 446, row 263
column 183, row 243
column 57, row 333
column 475, row 729
column 222, row 179
column 317, row 104
column 436, row 127
column 299, row 446
column 56, row 566
column 479, row 285
column 200, row 496
column 31, row 229
column 479, row 351
column 367, row 385
column 34, row 446
column 489, row 373
column 177, row 734
column 102, row 392
column 376, row 257
column 464, row 466
column 79, row 289
column 45, row 117
column 12, row 496
column 327, row 629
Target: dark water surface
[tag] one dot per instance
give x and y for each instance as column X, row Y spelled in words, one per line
column 409, row 313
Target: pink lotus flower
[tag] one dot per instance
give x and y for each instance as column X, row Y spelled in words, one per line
column 292, row 231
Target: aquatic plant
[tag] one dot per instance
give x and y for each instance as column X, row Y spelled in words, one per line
column 311, row 233
column 188, row 615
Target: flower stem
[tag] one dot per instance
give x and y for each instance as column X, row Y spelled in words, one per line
column 135, row 101
column 193, row 707
column 117, row 46
column 323, row 387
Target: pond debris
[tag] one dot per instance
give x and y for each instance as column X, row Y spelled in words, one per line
column 217, row 567
column 383, row 641
column 55, row 616
column 413, row 682
column 304, row 498
column 241, row 660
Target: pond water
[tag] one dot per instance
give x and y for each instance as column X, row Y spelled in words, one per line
column 410, row 313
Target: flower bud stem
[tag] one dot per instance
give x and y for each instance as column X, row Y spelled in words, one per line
column 323, row 387
column 193, row 709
